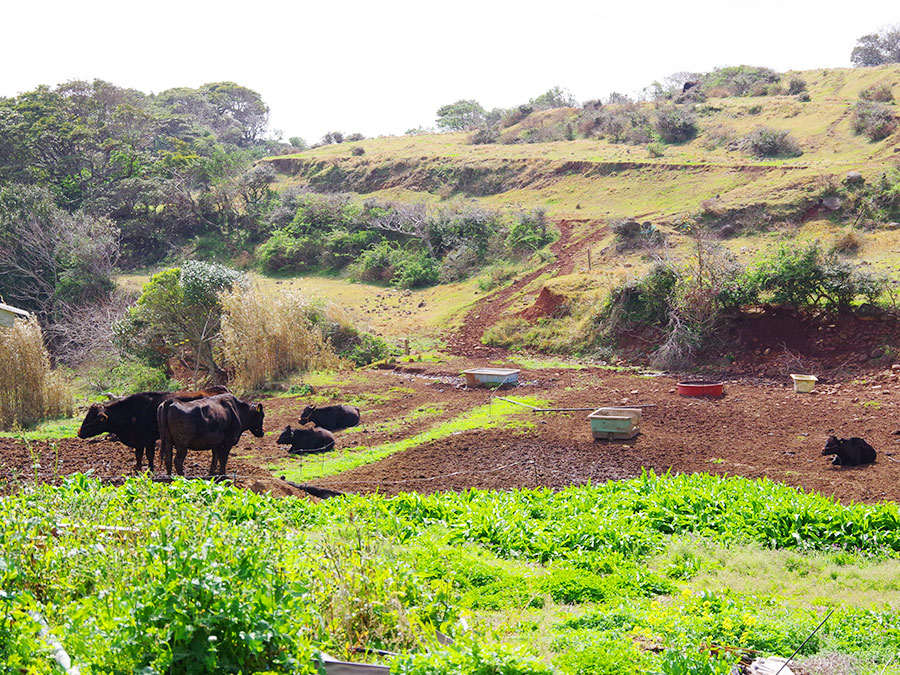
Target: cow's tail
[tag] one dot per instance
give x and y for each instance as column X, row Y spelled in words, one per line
column 165, row 434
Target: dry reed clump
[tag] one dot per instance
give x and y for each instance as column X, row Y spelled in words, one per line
column 30, row 390
column 266, row 338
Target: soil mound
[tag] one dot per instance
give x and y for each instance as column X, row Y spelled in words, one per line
column 548, row 304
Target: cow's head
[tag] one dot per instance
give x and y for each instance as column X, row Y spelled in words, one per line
column 256, row 420
column 307, row 411
column 95, row 422
column 832, row 445
column 287, row 436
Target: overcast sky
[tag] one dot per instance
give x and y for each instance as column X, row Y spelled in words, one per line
column 384, row 66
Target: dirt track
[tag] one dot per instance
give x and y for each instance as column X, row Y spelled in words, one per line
column 757, row 429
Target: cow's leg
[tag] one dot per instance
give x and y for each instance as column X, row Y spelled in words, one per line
column 138, row 456
column 213, row 461
column 151, row 452
column 836, row 461
column 166, row 452
column 224, row 451
column 180, row 454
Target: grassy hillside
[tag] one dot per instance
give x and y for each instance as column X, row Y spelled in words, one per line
column 599, row 179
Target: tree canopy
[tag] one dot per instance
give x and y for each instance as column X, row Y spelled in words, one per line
column 875, row 49
column 460, row 116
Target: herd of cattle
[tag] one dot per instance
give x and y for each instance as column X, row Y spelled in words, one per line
column 207, row 419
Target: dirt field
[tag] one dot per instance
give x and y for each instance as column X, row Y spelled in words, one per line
column 760, row 428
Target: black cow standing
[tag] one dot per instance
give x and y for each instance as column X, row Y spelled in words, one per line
column 215, row 423
column 331, row 417
column 849, row 451
column 301, row 441
column 133, row 419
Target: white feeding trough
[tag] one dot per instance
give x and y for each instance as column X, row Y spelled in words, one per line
column 491, row 377
column 803, row 384
column 615, row 423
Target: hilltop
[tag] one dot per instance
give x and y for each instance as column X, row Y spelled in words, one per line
column 599, row 179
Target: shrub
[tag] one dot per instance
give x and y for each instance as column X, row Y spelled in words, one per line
column 30, row 390
column 484, row 135
column 644, row 301
column 796, row 85
column 718, row 136
column 347, row 341
column 178, row 314
column 805, row 277
column 675, row 125
column 740, row 80
column 767, row 142
column 630, row 234
column 123, row 375
column 849, row 242
column 386, row 262
column 874, row 120
column 877, row 92
column 529, row 232
column 357, row 151
column 286, row 252
column 656, row 149
column 266, row 338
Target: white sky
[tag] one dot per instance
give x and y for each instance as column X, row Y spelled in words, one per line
column 384, row 66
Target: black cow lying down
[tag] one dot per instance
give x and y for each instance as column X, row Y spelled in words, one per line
column 214, row 423
column 316, row 439
column 849, row 451
column 331, row 417
column 133, row 419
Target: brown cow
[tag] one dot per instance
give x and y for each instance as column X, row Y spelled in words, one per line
column 133, row 419
column 214, row 423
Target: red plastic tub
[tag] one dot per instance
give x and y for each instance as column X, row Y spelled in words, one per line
column 701, row 388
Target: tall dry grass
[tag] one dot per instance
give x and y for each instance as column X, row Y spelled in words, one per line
column 266, row 338
column 30, row 390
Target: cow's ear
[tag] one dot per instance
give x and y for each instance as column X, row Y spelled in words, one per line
column 259, row 408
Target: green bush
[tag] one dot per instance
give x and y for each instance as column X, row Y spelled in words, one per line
column 125, row 375
column 741, row 80
column 767, row 142
column 805, row 277
column 874, row 120
column 675, row 124
column 286, row 252
column 529, row 232
column 387, row 262
column 645, row 301
column 796, row 85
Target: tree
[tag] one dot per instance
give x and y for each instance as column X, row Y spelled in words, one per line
column 179, row 315
column 50, row 258
column 555, row 97
column 875, row 49
column 460, row 116
column 241, row 106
